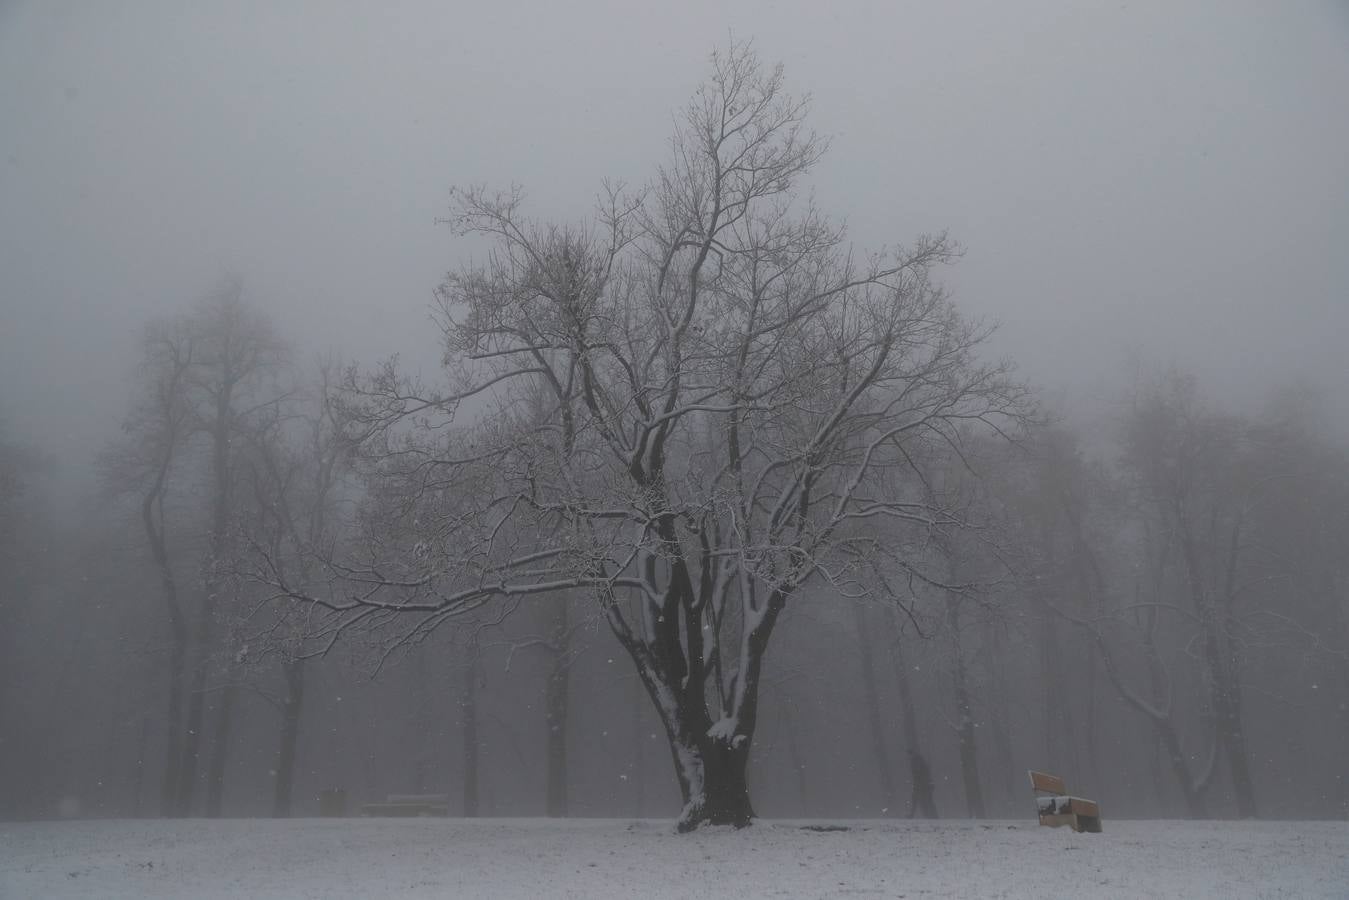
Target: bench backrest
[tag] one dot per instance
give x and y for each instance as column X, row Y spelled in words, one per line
column 424, row 799
column 1042, row 782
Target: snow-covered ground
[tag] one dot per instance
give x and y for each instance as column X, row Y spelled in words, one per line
column 609, row 858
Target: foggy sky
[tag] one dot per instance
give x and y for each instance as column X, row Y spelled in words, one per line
column 1165, row 179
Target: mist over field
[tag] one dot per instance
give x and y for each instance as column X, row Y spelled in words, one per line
column 688, row 413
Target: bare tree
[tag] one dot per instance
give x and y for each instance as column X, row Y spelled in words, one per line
column 295, row 461
column 235, row 354
column 735, row 401
column 153, row 442
column 1186, row 461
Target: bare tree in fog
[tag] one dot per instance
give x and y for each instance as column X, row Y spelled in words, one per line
column 154, row 441
column 206, row 377
column 295, row 460
column 1187, row 465
column 922, row 789
column 1070, row 587
column 233, row 381
column 735, row 399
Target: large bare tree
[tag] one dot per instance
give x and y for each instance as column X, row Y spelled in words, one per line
column 687, row 406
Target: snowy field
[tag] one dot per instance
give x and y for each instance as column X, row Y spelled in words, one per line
column 608, row 858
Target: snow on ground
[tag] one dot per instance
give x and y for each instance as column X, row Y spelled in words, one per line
column 609, row 858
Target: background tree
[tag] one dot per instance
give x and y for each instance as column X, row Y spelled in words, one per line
column 154, row 439
column 295, row 462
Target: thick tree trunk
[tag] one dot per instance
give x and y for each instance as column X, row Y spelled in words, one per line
column 555, row 712
column 711, row 770
column 710, row 758
column 220, row 743
column 291, row 709
column 889, row 796
column 719, row 788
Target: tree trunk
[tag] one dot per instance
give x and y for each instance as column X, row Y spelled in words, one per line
column 1158, row 713
column 711, row 771
column 719, row 789
column 969, row 748
column 1220, row 658
column 1232, row 734
column 889, row 796
column 138, row 773
column 555, row 712
column 468, row 711
column 1191, row 791
column 173, row 736
column 293, row 670
column 173, row 725
column 196, row 714
column 220, row 742
column 923, row 793
column 710, row 758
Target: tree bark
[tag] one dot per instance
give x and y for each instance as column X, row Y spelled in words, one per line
column 711, row 770
column 291, row 709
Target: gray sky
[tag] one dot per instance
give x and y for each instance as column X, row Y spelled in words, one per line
column 1164, row 178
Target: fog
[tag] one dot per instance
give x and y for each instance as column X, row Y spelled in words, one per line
column 1151, row 203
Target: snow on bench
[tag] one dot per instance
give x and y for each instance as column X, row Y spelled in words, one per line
column 1060, row 809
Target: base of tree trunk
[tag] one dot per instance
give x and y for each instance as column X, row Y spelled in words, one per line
column 725, row 798
column 699, row 813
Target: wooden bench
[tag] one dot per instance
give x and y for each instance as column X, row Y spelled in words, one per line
column 409, row 806
column 1057, row 808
